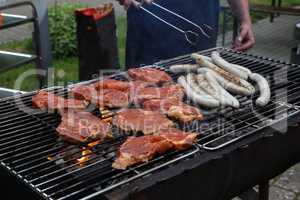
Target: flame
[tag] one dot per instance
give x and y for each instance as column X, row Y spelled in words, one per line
column 86, row 152
column 92, row 144
column 85, row 156
column 50, row 158
column 108, row 120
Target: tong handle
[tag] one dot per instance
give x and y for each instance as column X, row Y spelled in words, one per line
column 185, row 19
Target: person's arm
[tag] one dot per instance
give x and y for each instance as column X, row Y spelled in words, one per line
column 245, row 39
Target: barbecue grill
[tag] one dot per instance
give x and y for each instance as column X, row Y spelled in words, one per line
column 236, row 148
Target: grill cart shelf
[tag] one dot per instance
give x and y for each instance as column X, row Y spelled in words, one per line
column 10, row 60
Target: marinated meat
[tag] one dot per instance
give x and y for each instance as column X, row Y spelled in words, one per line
column 174, row 109
column 150, row 75
column 140, row 149
column 111, row 84
column 81, row 127
column 136, row 86
column 84, row 92
column 49, row 101
column 180, row 140
column 103, row 98
column 167, row 92
column 111, row 98
column 147, row 122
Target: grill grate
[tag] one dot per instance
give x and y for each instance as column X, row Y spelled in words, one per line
column 31, row 150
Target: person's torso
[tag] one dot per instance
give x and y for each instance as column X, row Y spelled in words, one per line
column 162, row 41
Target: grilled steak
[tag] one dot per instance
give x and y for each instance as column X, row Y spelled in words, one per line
column 111, row 98
column 111, row 84
column 51, row 102
column 81, row 127
column 167, row 92
column 180, row 140
column 174, row 108
column 140, row 120
column 150, row 75
column 140, row 149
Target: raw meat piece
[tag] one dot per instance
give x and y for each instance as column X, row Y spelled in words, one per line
column 150, row 75
column 82, row 127
column 181, row 140
column 111, row 84
column 48, row 101
column 166, row 92
column 140, row 149
column 174, row 109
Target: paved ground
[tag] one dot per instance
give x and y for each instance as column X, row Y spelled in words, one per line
column 286, row 186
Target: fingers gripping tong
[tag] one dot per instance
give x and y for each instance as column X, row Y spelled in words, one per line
column 191, row 37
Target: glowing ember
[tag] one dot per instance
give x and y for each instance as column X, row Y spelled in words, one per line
column 108, row 120
column 50, row 158
column 92, row 144
column 85, row 156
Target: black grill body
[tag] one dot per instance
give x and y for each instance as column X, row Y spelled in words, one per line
column 220, row 176
column 235, row 150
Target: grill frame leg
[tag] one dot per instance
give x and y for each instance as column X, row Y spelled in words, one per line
column 262, row 194
column 263, row 189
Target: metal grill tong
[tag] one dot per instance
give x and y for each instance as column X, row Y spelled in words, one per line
column 191, row 36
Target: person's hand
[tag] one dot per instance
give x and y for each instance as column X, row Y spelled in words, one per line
column 128, row 3
column 245, row 40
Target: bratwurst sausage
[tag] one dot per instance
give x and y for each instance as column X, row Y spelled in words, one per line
column 264, row 88
column 199, row 97
column 237, row 70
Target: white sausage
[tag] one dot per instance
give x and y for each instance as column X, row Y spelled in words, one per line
column 264, row 88
column 205, row 63
column 210, row 88
column 204, row 100
column 241, row 68
column 207, row 58
column 218, row 60
column 224, row 96
column 184, row 68
column 230, row 86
